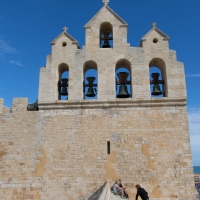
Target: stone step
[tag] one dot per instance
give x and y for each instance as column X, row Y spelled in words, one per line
column 115, row 197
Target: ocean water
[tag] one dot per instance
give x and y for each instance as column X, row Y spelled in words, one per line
column 196, row 169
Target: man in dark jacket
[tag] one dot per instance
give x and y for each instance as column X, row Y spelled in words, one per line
column 141, row 192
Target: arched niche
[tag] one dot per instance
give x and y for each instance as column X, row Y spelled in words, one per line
column 90, row 83
column 63, row 74
column 62, row 68
column 123, row 79
column 158, row 79
column 106, row 35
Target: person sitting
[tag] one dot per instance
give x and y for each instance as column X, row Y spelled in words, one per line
column 124, row 189
column 118, row 190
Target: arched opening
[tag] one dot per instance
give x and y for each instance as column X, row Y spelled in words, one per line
column 106, row 35
column 63, row 71
column 123, row 79
column 90, row 83
column 157, row 76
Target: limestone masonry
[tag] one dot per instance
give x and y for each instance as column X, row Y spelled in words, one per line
column 70, row 147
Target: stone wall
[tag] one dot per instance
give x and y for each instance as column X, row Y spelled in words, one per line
column 62, row 153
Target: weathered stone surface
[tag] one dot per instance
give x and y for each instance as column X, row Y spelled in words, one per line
column 60, row 151
column 63, row 153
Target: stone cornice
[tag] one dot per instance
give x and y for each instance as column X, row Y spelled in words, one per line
column 119, row 103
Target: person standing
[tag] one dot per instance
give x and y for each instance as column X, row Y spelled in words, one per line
column 142, row 193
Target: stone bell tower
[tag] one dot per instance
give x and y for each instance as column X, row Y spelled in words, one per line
column 106, row 111
column 136, row 128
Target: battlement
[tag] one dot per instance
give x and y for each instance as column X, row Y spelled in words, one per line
column 18, row 105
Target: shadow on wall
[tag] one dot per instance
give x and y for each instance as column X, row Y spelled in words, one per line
column 97, row 194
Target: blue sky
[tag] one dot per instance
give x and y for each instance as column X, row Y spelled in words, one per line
column 28, row 26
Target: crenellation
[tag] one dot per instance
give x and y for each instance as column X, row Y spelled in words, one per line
column 173, row 56
column 49, row 60
column 19, row 104
column 1, row 105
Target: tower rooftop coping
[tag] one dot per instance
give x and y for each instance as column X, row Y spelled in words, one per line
column 88, row 25
column 74, row 41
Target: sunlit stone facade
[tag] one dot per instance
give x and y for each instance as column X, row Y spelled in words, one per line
column 61, row 151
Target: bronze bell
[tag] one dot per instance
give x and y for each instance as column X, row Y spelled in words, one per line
column 156, row 90
column 64, row 91
column 106, row 44
column 123, row 92
column 90, row 92
column 106, row 40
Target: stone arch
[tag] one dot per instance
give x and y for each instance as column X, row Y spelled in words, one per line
column 123, row 77
column 123, row 62
column 90, row 77
column 89, row 65
column 63, row 77
column 63, row 67
column 106, row 35
column 159, row 67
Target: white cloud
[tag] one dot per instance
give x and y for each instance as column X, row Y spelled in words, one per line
column 5, row 47
column 16, row 63
column 193, row 75
column 194, row 125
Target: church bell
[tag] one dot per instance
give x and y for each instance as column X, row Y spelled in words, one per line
column 90, row 92
column 123, row 92
column 106, row 44
column 91, row 87
column 156, row 90
column 106, row 40
column 64, row 91
column 62, row 87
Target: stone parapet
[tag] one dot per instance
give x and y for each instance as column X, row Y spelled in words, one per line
column 105, row 195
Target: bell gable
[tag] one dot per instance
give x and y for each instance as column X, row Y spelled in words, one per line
column 105, row 13
column 155, row 38
column 105, row 22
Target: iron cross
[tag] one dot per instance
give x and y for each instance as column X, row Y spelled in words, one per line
column 154, row 24
column 65, row 29
column 105, row 2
